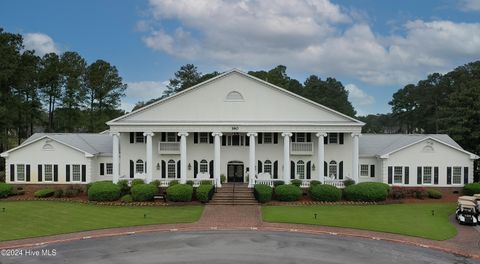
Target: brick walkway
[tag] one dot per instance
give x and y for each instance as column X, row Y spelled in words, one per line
column 218, row 217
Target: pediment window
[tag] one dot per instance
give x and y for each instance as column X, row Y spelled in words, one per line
column 234, row 96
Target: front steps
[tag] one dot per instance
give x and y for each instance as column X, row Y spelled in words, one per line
column 229, row 194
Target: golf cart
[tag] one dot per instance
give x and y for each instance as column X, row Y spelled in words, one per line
column 466, row 213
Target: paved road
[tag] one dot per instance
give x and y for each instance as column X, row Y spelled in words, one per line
column 235, row 247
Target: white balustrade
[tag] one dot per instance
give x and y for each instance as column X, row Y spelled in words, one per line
column 169, row 147
column 301, row 148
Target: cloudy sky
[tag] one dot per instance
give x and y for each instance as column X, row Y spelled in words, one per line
column 373, row 47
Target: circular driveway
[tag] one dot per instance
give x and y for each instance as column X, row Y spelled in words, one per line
column 233, row 247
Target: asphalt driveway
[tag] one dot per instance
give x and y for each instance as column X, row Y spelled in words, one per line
column 232, row 247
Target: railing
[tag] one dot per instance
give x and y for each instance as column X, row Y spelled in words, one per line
column 301, row 148
column 169, row 148
column 304, row 184
column 197, row 182
column 336, row 183
column 269, row 182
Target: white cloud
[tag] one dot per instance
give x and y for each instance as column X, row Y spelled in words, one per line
column 314, row 36
column 142, row 91
column 470, row 5
column 359, row 98
column 41, row 43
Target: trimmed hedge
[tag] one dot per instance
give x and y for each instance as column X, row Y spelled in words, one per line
column 104, row 192
column 296, row 182
column 315, row 182
column 263, row 193
column 278, row 183
column 366, row 192
column 288, row 193
column 348, row 182
column 44, row 193
column 471, row 188
column 180, row 193
column 137, row 181
column 143, row 192
column 325, row 193
column 204, row 193
column 124, row 187
column 127, row 198
column 435, row 194
column 174, row 182
column 5, row 190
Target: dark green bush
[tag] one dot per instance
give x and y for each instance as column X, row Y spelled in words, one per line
column 315, row 182
column 155, row 183
column 325, row 193
column 204, row 193
column 2, row 176
column 367, row 192
column 190, row 182
column 180, row 193
column 288, row 192
column 263, row 193
column 124, row 187
column 206, row 182
column 471, row 188
column 104, row 191
column 174, row 182
column 348, row 182
column 58, row 193
column 44, row 193
column 278, row 183
column 71, row 192
column 419, row 193
column 137, row 181
column 296, row 182
column 143, row 192
column 5, row 190
column 127, row 198
column 435, row 194
column 223, row 179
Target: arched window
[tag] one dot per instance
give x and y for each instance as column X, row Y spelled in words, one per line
column 171, row 169
column 203, row 166
column 332, row 169
column 234, row 96
column 267, row 167
column 139, row 166
column 301, row 169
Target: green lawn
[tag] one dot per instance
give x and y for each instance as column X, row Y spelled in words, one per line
column 41, row 218
column 406, row 219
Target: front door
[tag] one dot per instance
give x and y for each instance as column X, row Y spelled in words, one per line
column 235, row 172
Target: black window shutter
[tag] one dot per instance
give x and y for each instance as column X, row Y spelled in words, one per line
column 259, row 167
column 102, row 168
column 195, row 138
column 247, row 140
column 132, row 137
column 275, row 138
column 164, row 136
column 55, row 173
column 84, row 173
column 178, row 138
column 435, row 175
column 449, row 175
column 340, row 170
column 390, row 175
column 224, row 140
column 325, row 140
column 210, row 138
column 260, row 138
column 211, row 169
column 28, row 172
column 132, row 169
column 419, row 175
column 12, row 172
column 292, row 170
column 164, row 169
column 372, row 171
column 195, row 168
column 325, row 169
column 465, row 175
column 309, row 169
column 67, row 173
column 40, row 171
column 309, row 137
column 275, row 170
column 293, row 137
column 407, row 175
column 145, row 167
column 179, row 170
column 340, row 138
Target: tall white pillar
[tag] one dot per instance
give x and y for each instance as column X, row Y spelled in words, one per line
column 216, row 157
column 252, row 172
column 286, row 157
column 116, row 156
column 183, row 157
column 149, row 147
column 321, row 157
column 355, row 155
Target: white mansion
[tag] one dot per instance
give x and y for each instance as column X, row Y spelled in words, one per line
column 245, row 129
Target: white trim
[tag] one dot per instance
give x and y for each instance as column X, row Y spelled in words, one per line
column 5, row 154
column 24, row 172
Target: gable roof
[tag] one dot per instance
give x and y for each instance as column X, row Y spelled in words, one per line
column 121, row 119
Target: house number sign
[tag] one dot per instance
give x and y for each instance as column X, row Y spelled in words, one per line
column 235, row 128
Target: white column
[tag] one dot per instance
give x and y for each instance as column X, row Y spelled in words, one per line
column 216, row 162
column 183, row 157
column 355, row 168
column 116, row 157
column 252, row 172
column 321, row 157
column 286, row 157
column 149, row 147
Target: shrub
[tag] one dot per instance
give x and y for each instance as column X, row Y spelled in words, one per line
column 471, row 188
column 206, row 182
column 325, row 193
column 367, row 192
column 263, row 193
column 155, row 183
column 190, row 182
column 174, row 182
column 419, row 193
column 435, row 194
column 296, row 182
column 223, row 179
column 71, row 192
column 137, row 181
column 398, row 192
column 104, row 191
column 143, row 192
column 44, row 193
column 88, row 186
column 348, row 182
column 18, row 191
column 5, row 190
column 180, row 193
column 204, row 193
column 288, row 193
column 315, row 182
column 2, row 176
column 124, row 187
column 278, row 183
column 127, row 198
column 58, row 193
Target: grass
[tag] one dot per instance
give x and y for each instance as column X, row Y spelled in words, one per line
column 42, row 218
column 405, row 219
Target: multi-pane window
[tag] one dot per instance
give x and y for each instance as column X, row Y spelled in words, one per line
column 48, row 171
column 139, row 137
column 267, row 138
column 203, row 166
column 427, row 175
column 398, row 175
column 332, row 169
column 171, row 137
column 301, row 169
column 203, row 137
column 109, row 167
column 171, row 169
column 235, row 140
column 332, row 138
column 300, row 137
column 267, row 167
column 364, row 170
column 76, row 172
column 139, row 166
column 20, row 172
column 457, row 175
